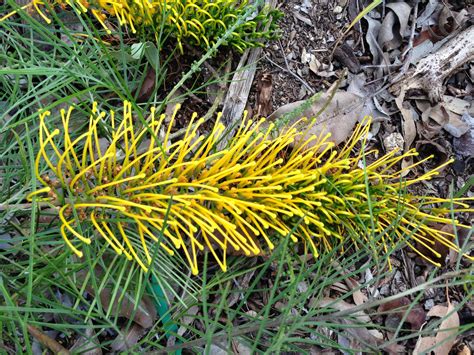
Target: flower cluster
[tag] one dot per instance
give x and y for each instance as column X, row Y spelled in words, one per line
column 198, row 22
column 186, row 195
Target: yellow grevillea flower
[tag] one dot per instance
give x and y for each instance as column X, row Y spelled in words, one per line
column 187, row 196
column 199, row 22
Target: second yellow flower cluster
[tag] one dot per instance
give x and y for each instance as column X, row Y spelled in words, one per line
column 197, row 22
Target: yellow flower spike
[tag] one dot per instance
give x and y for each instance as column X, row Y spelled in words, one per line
column 257, row 189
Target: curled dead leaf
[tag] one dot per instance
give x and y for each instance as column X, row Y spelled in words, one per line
column 147, row 86
column 445, row 337
column 394, row 25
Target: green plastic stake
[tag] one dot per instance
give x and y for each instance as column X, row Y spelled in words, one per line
column 162, row 308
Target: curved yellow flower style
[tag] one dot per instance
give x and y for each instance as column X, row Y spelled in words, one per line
column 245, row 197
column 198, row 22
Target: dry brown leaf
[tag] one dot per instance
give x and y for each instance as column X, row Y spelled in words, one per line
column 127, row 338
column 338, row 118
column 416, row 316
column 446, row 334
column 463, row 349
column 371, row 38
column 455, row 126
column 442, row 249
column 314, row 64
column 447, row 331
column 339, row 287
column 239, row 347
column 446, row 114
column 372, row 336
column 186, row 320
column 176, row 99
column 302, row 18
column 456, row 105
column 424, row 344
column 357, row 295
column 341, row 306
column 148, row 85
column 144, row 314
column 85, row 342
column 429, row 14
column 449, row 21
column 438, row 311
column 394, row 25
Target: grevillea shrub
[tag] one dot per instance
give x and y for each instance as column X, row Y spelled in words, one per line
column 187, row 196
column 197, row 22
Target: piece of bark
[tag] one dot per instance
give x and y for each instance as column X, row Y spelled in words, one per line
column 345, row 55
column 264, row 95
column 433, row 69
column 239, row 89
column 46, row 341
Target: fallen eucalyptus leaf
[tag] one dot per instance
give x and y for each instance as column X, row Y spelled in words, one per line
column 144, row 314
column 337, row 117
column 124, row 304
column 416, row 315
column 394, row 25
column 409, row 116
column 357, row 295
column 371, row 38
column 372, row 336
column 445, row 337
column 85, row 345
column 128, row 338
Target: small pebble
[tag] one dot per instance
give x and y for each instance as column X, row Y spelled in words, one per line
column 337, row 9
column 429, row 303
column 302, row 287
column 394, row 141
column 385, row 290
